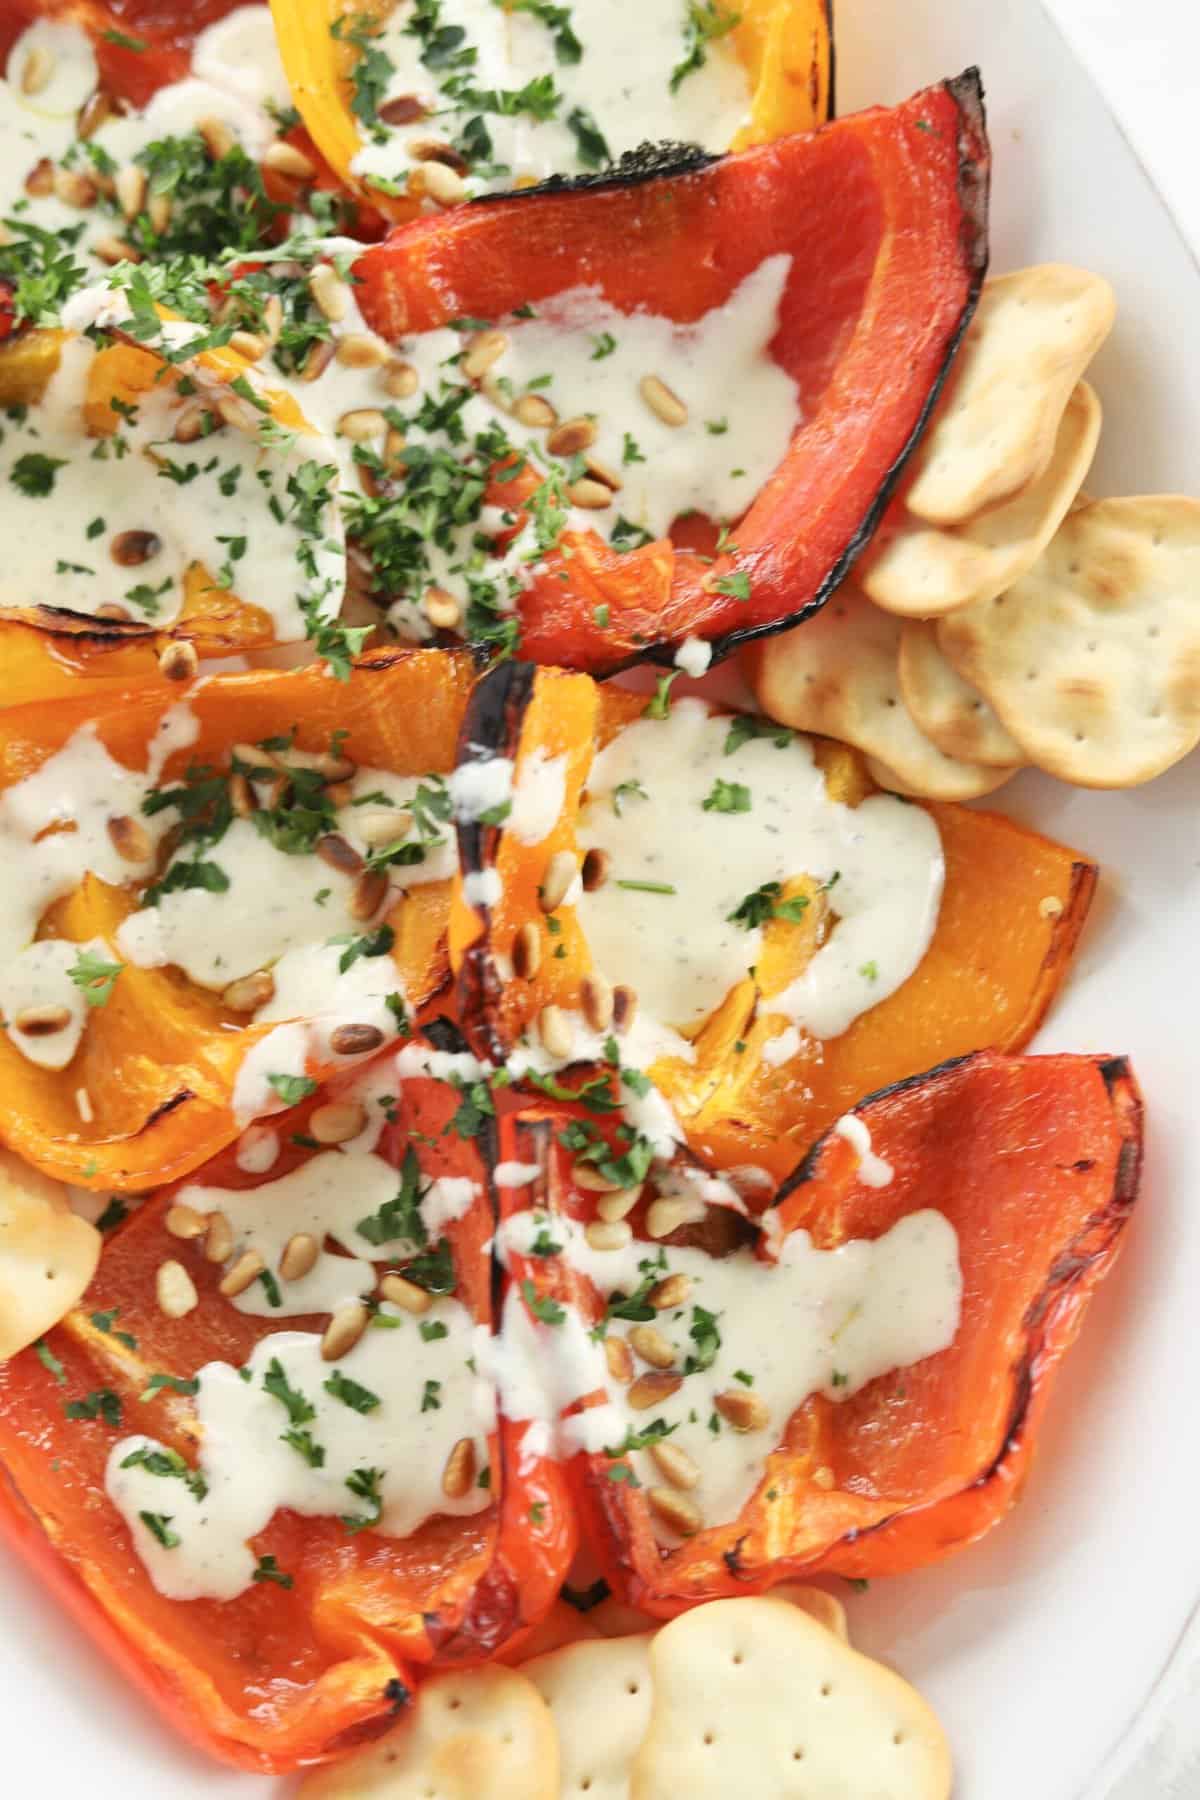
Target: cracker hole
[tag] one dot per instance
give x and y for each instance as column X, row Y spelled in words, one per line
column 1080, row 736
column 507, row 1738
column 708, row 1738
column 1153, row 631
column 633, row 1687
column 897, row 1738
column 826, row 1689
column 454, row 1703
column 1093, row 647
column 738, row 1659
column 797, row 1756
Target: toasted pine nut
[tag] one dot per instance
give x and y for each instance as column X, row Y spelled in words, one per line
column 239, row 413
column 218, row 139
column 535, row 410
column 361, row 424
column 485, row 348
column 218, row 1239
column 248, row 1267
column 527, row 952
column 555, row 1031
column 459, row 1473
column 286, row 159
column 74, row 188
column 662, row 402
column 111, row 609
column 40, row 180
column 332, row 295
column 442, row 185
column 604, row 472
column 441, row 608
column 114, row 250
column 617, row 1205
column 1051, row 907
column 401, row 380
column 572, row 436
column 355, row 1040
column 624, row 1008
column 743, row 1410
column 299, row 1256
column 665, row 1216
column 671, row 1291
column 596, row 1001
column 358, row 350
column 42, row 1021
column 594, row 874
column 592, row 1181
column 129, row 838
column 678, row 1467
column 405, row 1294
column 368, row 894
column 603, row 1234
column 652, row 1390
column 618, row 1359
column 403, row 109
column 130, row 186
column 249, row 992
column 185, row 1222
column 39, row 65
column 95, row 110
column 344, row 1330
column 130, row 549
column 158, row 210
column 318, row 359
column 379, row 828
column 250, row 344
column 337, row 853
column 652, row 1346
column 592, row 496
column 559, row 874
column 272, row 318
column 178, row 660
column 241, row 795
column 675, row 1511
column 823, row 1477
column 337, row 1121
column 193, row 422
column 174, row 1290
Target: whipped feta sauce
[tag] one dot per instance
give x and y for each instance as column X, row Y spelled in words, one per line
column 770, row 818
column 538, row 797
column 612, row 75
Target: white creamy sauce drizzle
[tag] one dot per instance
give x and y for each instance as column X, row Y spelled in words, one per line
column 679, row 950
column 480, row 787
column 873, row 1171
column 538, row 796
column 250, row 1471
column 622, row 82
column 40, row 976
column 258, row 1150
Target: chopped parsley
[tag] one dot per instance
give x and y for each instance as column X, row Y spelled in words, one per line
column 167, row 1463
column 351, row 1393
column 49, row 1361
column 543, row 1308
column 399, row 1218
column 268, row 1570
column 766, row 903
column 627, row 790
column 659, row 706
column 33, row 474
column 159, row 1527
column 364, row 1485
column 746, row 726
column 431, row 1398
column 101, row 1403
column 292, row 1088
column 94, row 977
column 705, row 23
column 727, row 797
column 707, row 1341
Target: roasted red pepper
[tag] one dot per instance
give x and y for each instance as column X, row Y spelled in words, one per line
column 883, row 214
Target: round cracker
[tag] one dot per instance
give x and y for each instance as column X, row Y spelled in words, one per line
column 471, row 1734
column 1033, row 335
column 838, row 674
column 1092, row 660
column 563, row 1624
column 825, row 1608
column 952, row 714
column 599, row 1695
column 757, row 1686
column 48, row 1254
column 923, row 571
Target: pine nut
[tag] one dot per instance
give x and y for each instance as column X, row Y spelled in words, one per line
column 130, row 549
column 368, row 894
column 250, row 344
column 336, row 853
column 662, row 402
column 358, row 350
column 618, row 1359
column 378, row 829
column 444, row 186
column 596, row 866
column 185, row 1222
column 344, row 1330
column 333, row 296
column 403, row 109
column 555, row 1031
column 249, row 992
column 130, row 189
column 193, row 422
column 241, row 796
column 112, row 610
column 218, row 139
column 527, row 952
column 318, row 360
column 40, row 180
column 175, row 1290
column 596, row 1001
column 336, row 1122
column 559, row 874
column 74, row 188
column 299, row 1257
column 178, row 660
column 355, row 1040
column 248, row 1267
column 286, row 159
column 437, row 150
column 322, row 762
column 158, row 211
column 129, row 839
column 361, row 424
column 91, row 116
column 114, row 250
column 485, row 348
column 535, row 410
column 405, row 1294
column 603, row 472
column 617, row 1205
column 592, row 1181
column 678, row 1467
column 823, row 1477
column 674, row 1511
column 441, row 608
column 339, row 794
column 652, row 1346
column 42, row 1021
column 670, row 1292
column 742, row 1409
column 218, row 1239
column 239, row 413
column 652, row 1390
column 459, row 1474
column 591, row 496
column 401, row 380
column 665, row 1216
column 572, row 436
column 624, row 1008
column 1051, row 907
column 39, row 65
column 603, row 1234
column 272, row 318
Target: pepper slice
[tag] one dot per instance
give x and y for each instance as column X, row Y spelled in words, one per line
column 332, row 1645
column 786, row 47
column 978, row 986
column 883, row 215
column 160, row 1059
column 1034, row 1162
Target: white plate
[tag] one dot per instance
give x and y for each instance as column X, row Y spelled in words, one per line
column 1040, row 1646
